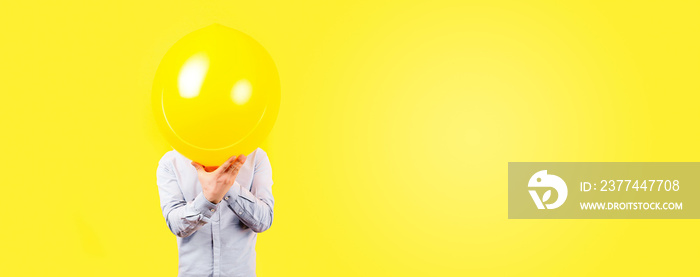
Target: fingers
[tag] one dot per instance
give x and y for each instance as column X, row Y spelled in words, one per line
column 236, row 166
column 225, row 166
column 242, row 158
column 197, row 166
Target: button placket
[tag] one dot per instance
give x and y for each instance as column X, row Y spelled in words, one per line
column 216, row 243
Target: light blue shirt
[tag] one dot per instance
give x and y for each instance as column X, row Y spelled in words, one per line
column 216, row 239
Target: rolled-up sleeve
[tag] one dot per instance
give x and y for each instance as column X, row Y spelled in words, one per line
column 254, row 207
column 183, row 218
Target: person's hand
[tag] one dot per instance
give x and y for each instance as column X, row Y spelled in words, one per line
column 216, row 183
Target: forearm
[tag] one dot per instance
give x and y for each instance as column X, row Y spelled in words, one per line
column 184, row 219
column 254, row 212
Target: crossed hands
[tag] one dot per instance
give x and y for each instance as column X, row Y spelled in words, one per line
column 216, row 181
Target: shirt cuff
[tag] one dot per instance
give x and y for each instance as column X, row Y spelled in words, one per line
column 232, row 194
column 236, row 191
column 203, row 206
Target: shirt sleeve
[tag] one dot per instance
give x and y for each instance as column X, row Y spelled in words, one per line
column 183, row 218
column 254, row 207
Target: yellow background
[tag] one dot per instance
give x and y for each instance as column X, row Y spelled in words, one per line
column 390, row 151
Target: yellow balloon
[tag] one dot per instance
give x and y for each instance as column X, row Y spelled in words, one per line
column 216, row 94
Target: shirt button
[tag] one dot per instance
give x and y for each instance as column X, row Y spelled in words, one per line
column 226, row 198
column 212, row 210
column 240, row 212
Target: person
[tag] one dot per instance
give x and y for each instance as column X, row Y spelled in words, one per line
column 216, row 212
